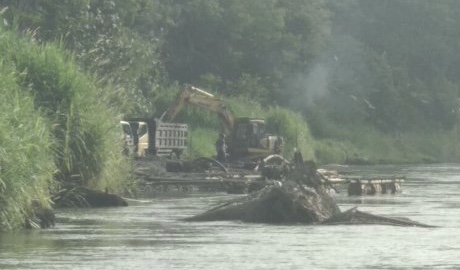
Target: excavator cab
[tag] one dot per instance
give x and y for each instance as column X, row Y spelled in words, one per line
column 250, row 139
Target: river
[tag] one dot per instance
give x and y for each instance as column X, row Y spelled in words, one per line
column 149, row 234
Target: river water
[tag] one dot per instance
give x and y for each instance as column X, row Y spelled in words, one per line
column 150, row 235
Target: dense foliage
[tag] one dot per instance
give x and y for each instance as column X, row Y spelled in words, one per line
column 393, row 64
column 354, row 69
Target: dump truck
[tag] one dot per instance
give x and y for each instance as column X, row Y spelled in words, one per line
column 155, row 137
column 246, row 137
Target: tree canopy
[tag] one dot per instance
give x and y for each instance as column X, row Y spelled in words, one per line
column 388, row 64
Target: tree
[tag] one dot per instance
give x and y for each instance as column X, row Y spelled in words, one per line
column 235, row 38
column 118, row 40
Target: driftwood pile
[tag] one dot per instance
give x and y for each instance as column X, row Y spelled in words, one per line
column 299, row 197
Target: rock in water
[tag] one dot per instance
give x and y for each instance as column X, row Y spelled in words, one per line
column 299, row 197
column 284, row 202
column 39, row 217
column 79, row 196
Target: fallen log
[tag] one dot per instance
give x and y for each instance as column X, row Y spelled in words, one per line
column 353, row 216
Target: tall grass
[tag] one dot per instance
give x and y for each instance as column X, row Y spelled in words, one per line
column 201, row 142
column 26, row 160
column 366, row 145
column 294, row 129
column 85, row 144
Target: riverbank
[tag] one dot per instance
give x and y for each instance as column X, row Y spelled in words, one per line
column 366, row 146
column 58, row 129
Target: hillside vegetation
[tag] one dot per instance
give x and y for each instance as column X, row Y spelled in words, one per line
column 351, row 81
column 367, row 76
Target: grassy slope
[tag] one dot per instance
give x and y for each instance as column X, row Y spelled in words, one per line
column 341, row 145
column 366, row 145
column 56, row 127
column 26, row 162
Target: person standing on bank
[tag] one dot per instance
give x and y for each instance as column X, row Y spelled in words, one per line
column 221, row 148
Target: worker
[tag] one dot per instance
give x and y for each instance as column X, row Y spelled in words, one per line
column 221, row 148
column 298, row 158
column 277, row 148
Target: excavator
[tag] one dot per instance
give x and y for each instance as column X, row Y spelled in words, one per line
column 246, row 137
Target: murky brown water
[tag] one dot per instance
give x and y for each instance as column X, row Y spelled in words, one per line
column 149, row 235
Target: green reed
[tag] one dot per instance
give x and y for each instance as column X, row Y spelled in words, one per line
column 57, row 127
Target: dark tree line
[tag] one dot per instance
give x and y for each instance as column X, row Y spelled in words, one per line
column 390, row 64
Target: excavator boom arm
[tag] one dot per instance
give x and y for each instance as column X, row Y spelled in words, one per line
column 202, row 99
